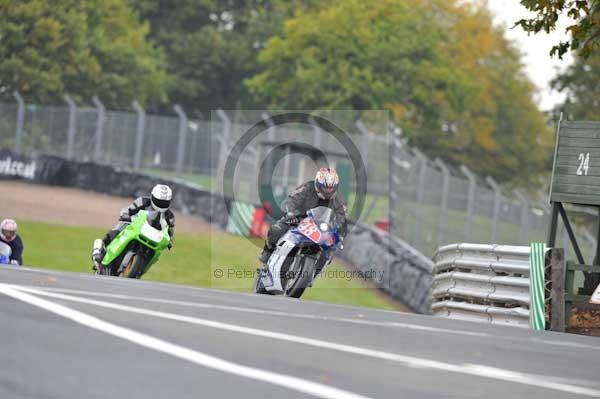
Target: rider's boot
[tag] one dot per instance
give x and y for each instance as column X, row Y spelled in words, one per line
column 265, row 255
column 98, row 252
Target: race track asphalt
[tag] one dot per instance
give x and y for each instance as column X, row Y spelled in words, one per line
column 69, row 335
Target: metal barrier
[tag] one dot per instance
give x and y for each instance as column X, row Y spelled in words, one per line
column 488, row 283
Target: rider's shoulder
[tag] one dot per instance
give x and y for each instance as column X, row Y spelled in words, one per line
column 142, row 202
column 301, row 189
column 18, row 241
column 15, row 243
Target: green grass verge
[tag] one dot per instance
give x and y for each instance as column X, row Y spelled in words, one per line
column 208, row 182
column 194, row 260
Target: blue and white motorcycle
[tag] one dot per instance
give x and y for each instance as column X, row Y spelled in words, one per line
column 5, row 253
column 300, row 255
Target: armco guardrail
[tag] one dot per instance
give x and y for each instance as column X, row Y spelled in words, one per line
column 488, row 283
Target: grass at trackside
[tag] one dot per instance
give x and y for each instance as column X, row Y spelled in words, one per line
column 208, row 182
column 194, row 260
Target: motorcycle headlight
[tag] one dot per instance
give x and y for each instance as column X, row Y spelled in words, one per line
column 323, row 226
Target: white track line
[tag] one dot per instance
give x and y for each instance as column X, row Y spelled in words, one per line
column 391, row 324
column 410, row 361
column 265, row 312
column 193, row 289
column 202, row 359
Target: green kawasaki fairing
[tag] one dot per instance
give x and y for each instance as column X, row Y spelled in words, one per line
column 140, row 231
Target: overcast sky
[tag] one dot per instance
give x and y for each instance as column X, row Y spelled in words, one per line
column 540, row 67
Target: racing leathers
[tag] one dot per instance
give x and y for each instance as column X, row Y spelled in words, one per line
column 295, row 206
column 16, row 248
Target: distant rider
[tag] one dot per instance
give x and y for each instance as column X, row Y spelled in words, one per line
column 9, row 236
column 319, row 192
column 159, row 200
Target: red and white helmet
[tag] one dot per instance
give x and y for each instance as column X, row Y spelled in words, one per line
column 326, row 183
column 8, row 230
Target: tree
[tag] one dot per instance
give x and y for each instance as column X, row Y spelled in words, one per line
column 213, row 45
column 584, row 30
column 448, row 76
column 83, row 48
column 581, row 84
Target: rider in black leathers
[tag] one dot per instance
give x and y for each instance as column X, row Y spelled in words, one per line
column 319, row 192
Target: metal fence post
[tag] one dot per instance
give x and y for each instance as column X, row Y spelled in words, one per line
column 497, row 198
column 20, row 120
column 394, row 134
column 524, row 216
column 470, row 201
column 183, row 122
column 224, row 138
column 100, row 119
column 271, row 131
column 72, row 120
column 364, row 143
column 318, row 138
column 420, row 196
column 139, row 137
column 444, row 204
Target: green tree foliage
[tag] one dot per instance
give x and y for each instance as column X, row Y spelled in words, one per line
column 581, row 84
column 213, row 45
column 584, row 30
column 82, row 47
column 448, row 76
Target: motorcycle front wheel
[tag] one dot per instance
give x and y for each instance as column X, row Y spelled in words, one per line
column 135, row 267
column 301, row 273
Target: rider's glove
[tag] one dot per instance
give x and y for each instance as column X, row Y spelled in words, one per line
column 290, row 218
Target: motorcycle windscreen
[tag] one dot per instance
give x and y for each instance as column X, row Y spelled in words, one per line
column 323, row 214
column 151, row 233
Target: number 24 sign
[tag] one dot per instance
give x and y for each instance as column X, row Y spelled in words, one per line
column 584, row 164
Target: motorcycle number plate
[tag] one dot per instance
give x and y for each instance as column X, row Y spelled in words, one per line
column 309, row 229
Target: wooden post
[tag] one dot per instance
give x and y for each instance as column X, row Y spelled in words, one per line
column 557, row 265
column 553, row 225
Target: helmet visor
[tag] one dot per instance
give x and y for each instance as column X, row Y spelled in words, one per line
column 328, row 192
column 9, row 235
column 161, row 204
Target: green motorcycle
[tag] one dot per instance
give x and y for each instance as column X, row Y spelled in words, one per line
column 135, row 249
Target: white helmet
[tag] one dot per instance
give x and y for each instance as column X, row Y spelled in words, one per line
column 161, row 197
column 8, row 230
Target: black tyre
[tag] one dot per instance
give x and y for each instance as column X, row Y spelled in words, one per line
column 135, row 267
column 300, row 276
